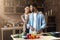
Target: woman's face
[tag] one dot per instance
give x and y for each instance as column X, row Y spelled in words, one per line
column 27, row 10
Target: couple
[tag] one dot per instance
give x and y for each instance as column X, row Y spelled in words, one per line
column 33, row 20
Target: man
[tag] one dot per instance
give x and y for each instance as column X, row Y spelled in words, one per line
column 31, row 8
column 36, row 21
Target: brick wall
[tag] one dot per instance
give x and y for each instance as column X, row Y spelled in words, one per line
column 11, row 15
column 11, row 10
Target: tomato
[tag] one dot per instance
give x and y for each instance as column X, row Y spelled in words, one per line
column 29, row 37
column 28, row 34
column 32, row 36
column 37, row 37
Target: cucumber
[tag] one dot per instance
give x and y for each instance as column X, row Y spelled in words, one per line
column 22, row 34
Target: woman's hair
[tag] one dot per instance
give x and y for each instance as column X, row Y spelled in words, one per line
column 27, row 5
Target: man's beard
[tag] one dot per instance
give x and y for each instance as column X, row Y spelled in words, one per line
column 32, row 11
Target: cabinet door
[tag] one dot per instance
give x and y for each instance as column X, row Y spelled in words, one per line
column 7, row 34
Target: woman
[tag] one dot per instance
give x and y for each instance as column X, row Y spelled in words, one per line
column 24, row 18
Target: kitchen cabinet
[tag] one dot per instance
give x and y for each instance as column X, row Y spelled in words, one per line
column 6, row 32
column 51, row 24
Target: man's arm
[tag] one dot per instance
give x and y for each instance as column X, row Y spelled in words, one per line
column 29, row 24
column 30, row 27
column 43, row 22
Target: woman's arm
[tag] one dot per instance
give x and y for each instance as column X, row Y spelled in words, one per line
column 22, row 18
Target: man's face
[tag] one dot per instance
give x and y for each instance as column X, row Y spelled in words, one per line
column 34, row 8
column 31, row 8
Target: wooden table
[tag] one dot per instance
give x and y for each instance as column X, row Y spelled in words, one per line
column 41, row 38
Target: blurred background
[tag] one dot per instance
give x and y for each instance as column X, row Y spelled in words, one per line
column 11, row 11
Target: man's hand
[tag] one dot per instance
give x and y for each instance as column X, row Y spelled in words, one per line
column 38, row 31
column 31, row 28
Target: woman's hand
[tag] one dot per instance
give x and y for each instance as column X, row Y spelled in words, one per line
column 24, row 29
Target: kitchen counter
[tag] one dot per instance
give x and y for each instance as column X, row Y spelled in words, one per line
column 41, row 38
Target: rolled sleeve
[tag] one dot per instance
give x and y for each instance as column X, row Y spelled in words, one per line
column 43, row 22
column 28, row 25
